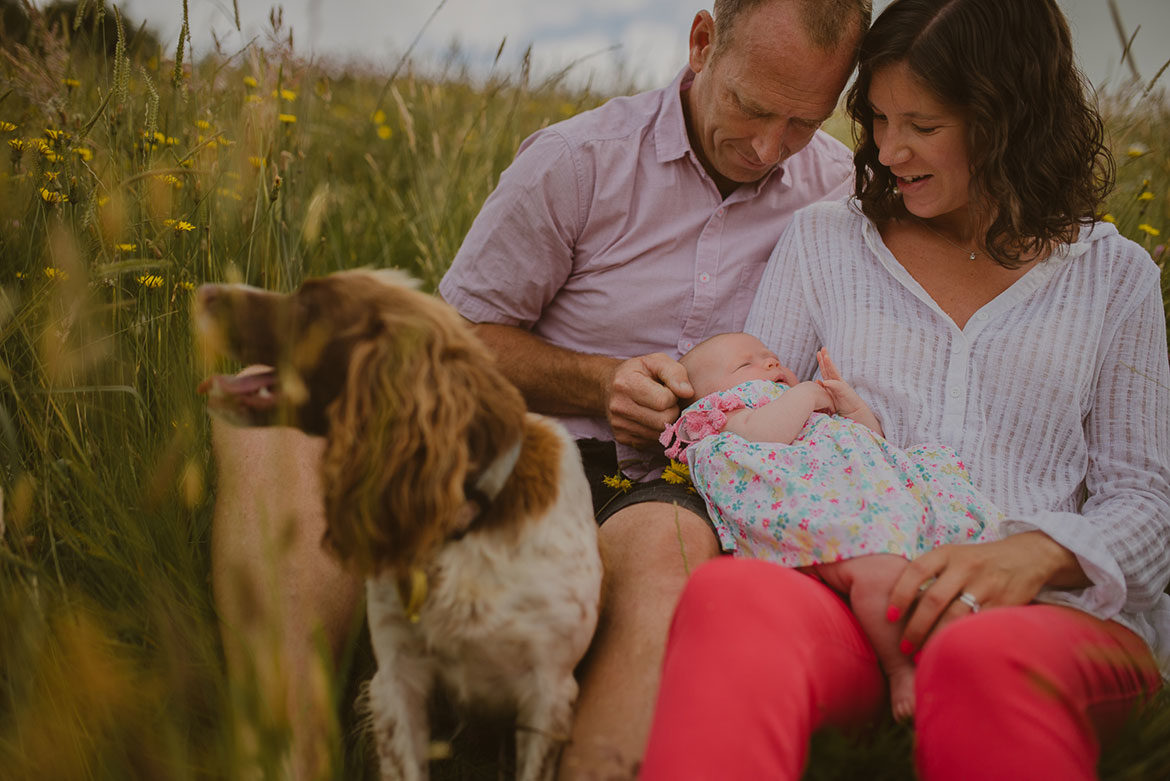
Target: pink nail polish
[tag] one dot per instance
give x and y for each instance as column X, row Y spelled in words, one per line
column 906, row 647
column 893, row 614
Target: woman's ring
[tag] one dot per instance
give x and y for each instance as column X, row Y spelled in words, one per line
column 968, row 599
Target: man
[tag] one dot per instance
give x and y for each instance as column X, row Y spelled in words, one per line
column 618, row 240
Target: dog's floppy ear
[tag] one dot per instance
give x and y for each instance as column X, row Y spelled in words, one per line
column 423, row 410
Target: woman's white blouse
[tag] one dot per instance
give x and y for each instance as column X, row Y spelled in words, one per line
column 1056, row 394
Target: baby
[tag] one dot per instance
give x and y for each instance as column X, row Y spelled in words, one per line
column 799, row 474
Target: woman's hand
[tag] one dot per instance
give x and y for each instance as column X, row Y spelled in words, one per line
column 993, row 574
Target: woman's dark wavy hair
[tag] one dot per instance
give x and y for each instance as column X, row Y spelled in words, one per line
column 1035, row 140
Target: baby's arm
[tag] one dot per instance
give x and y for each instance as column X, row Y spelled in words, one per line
column 845, row 399
column 782, row 419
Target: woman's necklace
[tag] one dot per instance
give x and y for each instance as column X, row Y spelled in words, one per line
column 971, row 252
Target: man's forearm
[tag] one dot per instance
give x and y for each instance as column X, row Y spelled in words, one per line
column 554, row 381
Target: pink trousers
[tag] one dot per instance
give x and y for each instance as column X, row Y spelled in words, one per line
column 760, row 656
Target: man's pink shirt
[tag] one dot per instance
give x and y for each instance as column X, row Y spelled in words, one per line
column 607, row 236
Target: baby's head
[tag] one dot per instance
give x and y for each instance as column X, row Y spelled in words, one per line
column 726, row 360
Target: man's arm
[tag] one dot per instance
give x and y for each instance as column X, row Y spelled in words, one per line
column 638, row 396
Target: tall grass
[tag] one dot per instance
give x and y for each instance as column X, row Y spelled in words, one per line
column 127, row 183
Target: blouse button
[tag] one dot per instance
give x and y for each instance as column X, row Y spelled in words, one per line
column 704, row 277
column 955, row 393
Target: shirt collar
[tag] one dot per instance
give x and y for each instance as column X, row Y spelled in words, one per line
column 670, row 126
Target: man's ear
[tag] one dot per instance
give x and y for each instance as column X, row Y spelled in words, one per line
column 702, row 41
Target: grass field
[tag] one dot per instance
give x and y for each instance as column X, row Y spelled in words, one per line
column 129, row 180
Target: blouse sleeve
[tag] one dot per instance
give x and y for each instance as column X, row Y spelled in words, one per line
column 1121, row 537
column 781, row 315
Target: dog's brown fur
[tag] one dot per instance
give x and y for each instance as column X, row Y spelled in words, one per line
column 432, row 471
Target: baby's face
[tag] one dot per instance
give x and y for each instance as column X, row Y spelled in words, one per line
column 728, row 360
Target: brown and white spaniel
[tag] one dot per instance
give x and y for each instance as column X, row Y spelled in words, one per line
column 469, row 517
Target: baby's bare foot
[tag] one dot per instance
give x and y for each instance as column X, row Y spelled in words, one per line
column 902, row 694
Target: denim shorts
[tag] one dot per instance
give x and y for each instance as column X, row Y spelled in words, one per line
column 600, row 460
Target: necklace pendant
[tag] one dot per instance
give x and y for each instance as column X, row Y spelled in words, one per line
column 972, row 256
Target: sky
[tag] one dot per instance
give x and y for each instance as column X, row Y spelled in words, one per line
column 645, row 40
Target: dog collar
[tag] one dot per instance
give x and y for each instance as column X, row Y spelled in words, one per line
column 484, row 491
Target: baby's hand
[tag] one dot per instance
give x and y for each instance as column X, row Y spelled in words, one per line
column 828, row 368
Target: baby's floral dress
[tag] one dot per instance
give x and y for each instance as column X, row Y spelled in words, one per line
column 837, row 492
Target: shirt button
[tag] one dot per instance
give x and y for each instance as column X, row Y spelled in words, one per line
column 719, row 212
column 955, row 393
column 981, row 316
column 687, row 346
column 704, row 277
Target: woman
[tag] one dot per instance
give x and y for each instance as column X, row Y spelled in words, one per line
column 975, row 301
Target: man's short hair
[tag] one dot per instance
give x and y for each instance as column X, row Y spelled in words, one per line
column 825, row 22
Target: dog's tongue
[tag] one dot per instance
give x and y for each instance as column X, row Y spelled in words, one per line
column 254, row 389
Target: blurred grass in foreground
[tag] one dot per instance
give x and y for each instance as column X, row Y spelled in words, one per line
column 127, row 183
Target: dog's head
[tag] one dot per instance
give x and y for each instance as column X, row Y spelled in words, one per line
column 410, row 402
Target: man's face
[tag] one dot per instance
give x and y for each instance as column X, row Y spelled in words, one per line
column 760, row 98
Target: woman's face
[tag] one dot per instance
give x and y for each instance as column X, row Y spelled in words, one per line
column 922, row 141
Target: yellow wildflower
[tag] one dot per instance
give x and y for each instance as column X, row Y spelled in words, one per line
column 51, row 196
column 1150, row 229
column 56, row 274
column 125, row 247
column 7, row 127
column 287, row 119
column 55, row 135
column 1108, row 218
column 159, row 137
column 186, row 285
column 103, row 200
column 71, row 83
column 17, row 144
column 256, row 162
column 84, row 153
column 169, row 223
column 254, row 99
column 286, row 94
column 379, row 117
column 20, row 275
column 249, row 81
column 677, row 473
column 170, row 179
column 51, row 176
column 1146, row 196
column 619, row 482
column 383, row 132
column 1137, row 150
column 182, row 226
column 151, row 281
column 224, row 191
column 203, row 124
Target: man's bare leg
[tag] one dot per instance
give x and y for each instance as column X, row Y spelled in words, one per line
column 285, row 605
column 649, row 551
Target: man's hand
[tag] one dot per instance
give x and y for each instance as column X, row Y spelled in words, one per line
column 644, row 396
